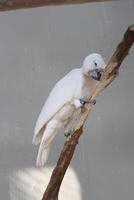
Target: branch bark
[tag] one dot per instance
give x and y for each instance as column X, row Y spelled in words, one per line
column 19, row 4
column 109, row 75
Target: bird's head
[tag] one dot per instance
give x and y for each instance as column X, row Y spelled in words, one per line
column 93, row 66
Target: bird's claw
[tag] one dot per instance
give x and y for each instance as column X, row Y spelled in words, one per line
column 93, row 102
column 83, row 102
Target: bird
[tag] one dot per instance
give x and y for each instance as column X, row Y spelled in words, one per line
column 64, row 103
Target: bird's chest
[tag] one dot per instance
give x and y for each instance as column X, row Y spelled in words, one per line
column 83, row 90
column 85, row 93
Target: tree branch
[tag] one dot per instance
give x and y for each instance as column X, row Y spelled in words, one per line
column 19, row 4
column 111, row 72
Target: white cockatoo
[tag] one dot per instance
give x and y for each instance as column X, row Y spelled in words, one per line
column 64, row 103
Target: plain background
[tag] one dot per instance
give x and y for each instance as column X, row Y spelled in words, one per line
column 39, row 46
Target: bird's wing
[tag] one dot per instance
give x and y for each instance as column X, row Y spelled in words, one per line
column 62, row 93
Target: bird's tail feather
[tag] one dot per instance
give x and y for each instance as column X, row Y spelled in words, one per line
column 44, row 150
column 48, row 135
column 42, row 157
column 37, row 137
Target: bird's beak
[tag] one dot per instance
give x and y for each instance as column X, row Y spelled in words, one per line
column 96, row 74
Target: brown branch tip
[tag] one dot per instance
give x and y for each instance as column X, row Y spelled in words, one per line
column 66, row 155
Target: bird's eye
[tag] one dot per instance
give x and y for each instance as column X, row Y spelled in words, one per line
column 95, row 63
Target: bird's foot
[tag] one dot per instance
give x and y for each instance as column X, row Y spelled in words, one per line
column 93, row 102
column 82, row 102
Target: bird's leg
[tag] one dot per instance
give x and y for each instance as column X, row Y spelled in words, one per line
column 78, row 103
column 82, row 102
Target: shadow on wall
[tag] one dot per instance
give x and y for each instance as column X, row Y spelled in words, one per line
column 30, row 183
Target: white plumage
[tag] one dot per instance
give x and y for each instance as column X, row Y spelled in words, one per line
column 64, row 102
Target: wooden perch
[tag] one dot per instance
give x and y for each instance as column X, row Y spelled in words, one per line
column 18, row 4
column 109, row 75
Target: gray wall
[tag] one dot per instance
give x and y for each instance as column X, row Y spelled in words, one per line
column 38, row 47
